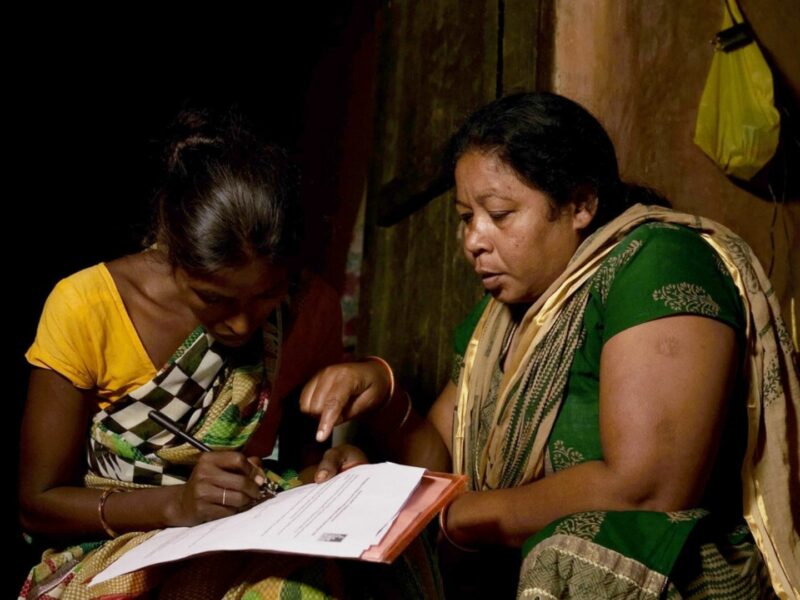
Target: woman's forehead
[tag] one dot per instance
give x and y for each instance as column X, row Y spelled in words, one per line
column 481, row 175
column 257, row 274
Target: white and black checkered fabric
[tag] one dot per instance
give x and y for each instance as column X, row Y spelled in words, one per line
column 217, row 394
column 182, row 390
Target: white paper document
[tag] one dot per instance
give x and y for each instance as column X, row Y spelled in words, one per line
column 340, row 518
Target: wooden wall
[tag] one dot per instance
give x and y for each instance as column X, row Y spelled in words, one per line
column 438, row 61
column 640, row 66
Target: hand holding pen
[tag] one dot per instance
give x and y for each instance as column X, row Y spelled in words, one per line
column 222, row 483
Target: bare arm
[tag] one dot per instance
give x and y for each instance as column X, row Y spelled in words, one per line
column 343, row 392
column 663, row 391
column 53, row 501
column 424, row 442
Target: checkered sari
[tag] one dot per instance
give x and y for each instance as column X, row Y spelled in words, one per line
column 217, row 394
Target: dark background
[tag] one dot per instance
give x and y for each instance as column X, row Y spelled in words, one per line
column 91, row 96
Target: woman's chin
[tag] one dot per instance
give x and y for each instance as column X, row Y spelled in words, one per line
column 495, row 286
column 507, row 296
column 505, row 290
column 504, row 296
column 232, row 341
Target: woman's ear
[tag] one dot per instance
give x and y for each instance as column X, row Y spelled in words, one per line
column 584, row 209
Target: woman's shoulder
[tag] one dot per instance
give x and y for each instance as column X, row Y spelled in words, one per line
column 661, row 269
column 87, row 277
column 660, row 248
column 85, row 332
column 661, row 235
column 87, row 286
column 69, row 323
column 81, row 307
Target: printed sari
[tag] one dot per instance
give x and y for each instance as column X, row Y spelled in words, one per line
column 218, row 395
column 504, row 436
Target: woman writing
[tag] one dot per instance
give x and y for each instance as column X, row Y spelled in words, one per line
column 218, row 302
column 600, row 405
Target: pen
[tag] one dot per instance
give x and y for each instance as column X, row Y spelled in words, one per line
column 268, row 487
column 172, row 427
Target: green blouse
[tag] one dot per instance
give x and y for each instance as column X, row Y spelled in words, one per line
column 658, row 270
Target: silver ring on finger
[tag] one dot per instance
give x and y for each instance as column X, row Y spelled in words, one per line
column 224, row 494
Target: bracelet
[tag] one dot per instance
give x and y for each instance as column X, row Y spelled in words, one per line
column 408, row 412
column 443, row 529
column 101, row 510
column 388, row 368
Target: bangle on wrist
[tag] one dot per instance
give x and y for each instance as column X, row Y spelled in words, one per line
column 408, row 411
column 393, row 389
column 101, row 505
column 443, row 529
column 389, row 371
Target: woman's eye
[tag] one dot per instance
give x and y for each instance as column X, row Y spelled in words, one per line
column 500, row 215
column 210, row 298
column 465, row 217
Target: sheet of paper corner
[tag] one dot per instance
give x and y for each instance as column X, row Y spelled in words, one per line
column 339, row 518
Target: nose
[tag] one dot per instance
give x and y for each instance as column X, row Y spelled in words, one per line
column 241, row 324
column 476, row 241
column 250, row 315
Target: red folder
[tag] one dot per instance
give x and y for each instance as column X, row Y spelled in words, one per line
column 434, row 492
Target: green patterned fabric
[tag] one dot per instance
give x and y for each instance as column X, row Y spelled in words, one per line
column 195, row 389
column 635, row 284
column 605, row 554
column 219, row 396
column 639, row 554
column 657, row 270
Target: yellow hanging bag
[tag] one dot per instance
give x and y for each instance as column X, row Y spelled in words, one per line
column 737, row 122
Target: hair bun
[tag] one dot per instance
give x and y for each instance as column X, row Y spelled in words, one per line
column 191, row 137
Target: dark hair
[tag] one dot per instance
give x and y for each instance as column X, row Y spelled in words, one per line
column 556, row 146
column 226, row 197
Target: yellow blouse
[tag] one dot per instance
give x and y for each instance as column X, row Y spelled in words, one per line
column 86, row 335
